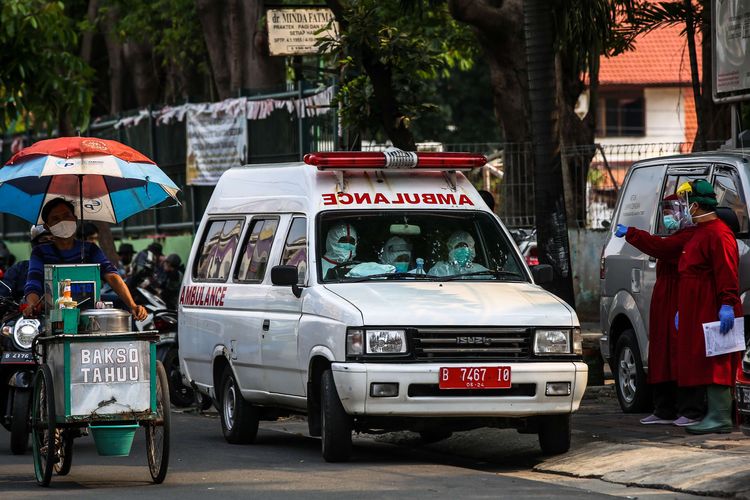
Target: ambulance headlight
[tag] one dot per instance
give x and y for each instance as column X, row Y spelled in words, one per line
column 24, row 333
column 364, row 341
column 553, row 341
column 385, row 341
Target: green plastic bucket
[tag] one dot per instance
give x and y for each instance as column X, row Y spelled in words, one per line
column 113, row 440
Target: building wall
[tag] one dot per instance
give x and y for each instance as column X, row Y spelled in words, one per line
column 665, row 117
column 585, row 253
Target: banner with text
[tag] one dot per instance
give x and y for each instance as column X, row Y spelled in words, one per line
column 216, row 142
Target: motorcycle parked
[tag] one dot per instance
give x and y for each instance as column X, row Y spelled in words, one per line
column 17, row 367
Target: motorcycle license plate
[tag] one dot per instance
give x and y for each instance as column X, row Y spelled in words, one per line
column 483, row 377
column 17, row 357
column 743, row 399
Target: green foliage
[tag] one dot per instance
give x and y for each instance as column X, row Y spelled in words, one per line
column 655, row 15
column 417, row 50
column 588, row 29
column 41, row 76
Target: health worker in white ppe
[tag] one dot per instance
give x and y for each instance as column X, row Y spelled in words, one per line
column 461, row 256
column 397, row 252
column 341, row 246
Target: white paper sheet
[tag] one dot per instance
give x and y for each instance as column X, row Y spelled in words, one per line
column 718, row 343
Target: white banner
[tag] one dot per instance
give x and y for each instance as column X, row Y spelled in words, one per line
column 216, row 142
column 731, row 19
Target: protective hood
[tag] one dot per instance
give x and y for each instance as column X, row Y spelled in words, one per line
column 396, row 249
column 339, row 251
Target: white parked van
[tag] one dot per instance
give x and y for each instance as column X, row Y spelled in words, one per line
column 371, row 292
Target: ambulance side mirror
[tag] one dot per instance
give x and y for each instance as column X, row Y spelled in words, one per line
column 542, row 274
column 286, row 276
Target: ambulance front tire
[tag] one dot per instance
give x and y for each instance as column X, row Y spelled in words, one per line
column 554, row 434
column 239, row 419
column 335, row 423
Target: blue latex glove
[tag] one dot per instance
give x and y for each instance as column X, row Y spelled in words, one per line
column 621, row 230
column 726, row 317
column 677, row 320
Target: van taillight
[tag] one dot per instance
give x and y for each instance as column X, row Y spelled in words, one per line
column 602, row 269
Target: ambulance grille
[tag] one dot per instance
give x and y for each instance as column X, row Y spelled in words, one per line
column 472, row 343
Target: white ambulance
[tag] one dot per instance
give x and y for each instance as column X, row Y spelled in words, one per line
column 373, row 292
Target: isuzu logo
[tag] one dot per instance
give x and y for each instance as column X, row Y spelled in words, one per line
column 473, row 340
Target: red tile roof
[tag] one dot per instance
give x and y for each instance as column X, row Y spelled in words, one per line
column 658, row 58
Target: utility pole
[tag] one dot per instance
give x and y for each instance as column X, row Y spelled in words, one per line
column 549, row 197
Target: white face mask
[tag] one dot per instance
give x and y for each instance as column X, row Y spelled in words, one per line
column 64, row 229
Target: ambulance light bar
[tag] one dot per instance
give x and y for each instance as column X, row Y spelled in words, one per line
column 394, row 159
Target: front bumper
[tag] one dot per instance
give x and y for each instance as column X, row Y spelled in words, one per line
column 526, row 398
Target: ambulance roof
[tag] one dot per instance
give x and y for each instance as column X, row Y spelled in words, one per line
column 301, row 188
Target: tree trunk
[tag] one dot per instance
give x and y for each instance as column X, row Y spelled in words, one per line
column 690, row 24
column 139, row 57
column 499, row 30
column 212, row 17
column 259, row 69
column 116, row 64
column 552, row 232
column 236, row 48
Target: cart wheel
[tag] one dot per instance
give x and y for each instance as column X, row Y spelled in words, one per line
column 43, row 425
column 64, row 445
column 157, row 432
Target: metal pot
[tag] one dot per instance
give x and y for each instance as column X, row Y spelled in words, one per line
column 105, row 321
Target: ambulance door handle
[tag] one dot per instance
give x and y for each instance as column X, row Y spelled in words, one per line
column 266, row 324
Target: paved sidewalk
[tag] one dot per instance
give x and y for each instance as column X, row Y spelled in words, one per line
column 615, row 447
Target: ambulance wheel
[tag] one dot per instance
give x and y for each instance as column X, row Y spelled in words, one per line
column 157, row 431
column 43, row 426
column 554, row 434
column 335, row 423
column 64, row 444
column 630, row 378
column 19, row 424
column 239, row 419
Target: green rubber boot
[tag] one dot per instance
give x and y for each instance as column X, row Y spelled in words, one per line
column 719, row 416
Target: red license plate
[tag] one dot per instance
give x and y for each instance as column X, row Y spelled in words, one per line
column 483, row 377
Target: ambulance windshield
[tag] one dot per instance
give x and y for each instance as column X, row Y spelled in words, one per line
column 358, row 246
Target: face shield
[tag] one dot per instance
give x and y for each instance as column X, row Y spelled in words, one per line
column 397, row 252
column 461, row 248
column 674, row 213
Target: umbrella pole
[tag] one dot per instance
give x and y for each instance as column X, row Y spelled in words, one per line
column 80, row 209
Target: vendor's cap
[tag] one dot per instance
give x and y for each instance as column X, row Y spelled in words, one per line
column 173, row 260
column 703, row 193
column 155, row 248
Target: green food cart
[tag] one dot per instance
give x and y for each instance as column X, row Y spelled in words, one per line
column 109, row 383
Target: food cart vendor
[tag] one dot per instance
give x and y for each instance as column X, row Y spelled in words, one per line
column 59, row 218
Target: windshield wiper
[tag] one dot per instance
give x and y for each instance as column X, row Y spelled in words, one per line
column 497, row 273
column 389, row 276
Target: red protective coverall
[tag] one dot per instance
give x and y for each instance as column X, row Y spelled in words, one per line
column 662, row 335
column 708, row 279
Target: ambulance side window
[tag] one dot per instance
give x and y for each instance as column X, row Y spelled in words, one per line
column 254, row 258
column 673, row 182
column 217, row 251
column 295, row 248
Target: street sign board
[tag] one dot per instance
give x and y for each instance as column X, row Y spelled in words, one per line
column 730, row 31
column 291, row 32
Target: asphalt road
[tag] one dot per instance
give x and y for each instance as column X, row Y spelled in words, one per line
column 285, row 463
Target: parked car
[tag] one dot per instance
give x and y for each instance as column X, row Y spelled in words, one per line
column 267, row 329
column 628, row 276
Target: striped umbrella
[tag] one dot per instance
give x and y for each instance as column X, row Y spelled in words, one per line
column 109, row 180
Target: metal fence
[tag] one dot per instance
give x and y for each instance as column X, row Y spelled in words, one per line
column 283, row 136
